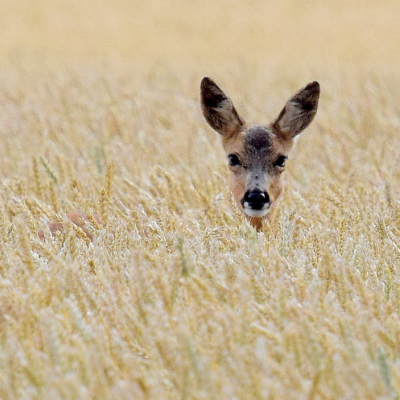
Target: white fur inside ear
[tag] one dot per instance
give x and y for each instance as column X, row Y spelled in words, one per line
column 295, row 141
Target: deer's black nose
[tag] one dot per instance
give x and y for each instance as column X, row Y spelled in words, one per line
column 256, row 199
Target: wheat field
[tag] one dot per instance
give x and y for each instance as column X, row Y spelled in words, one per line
column 167, row 292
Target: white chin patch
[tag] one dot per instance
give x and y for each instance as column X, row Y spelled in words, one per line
column 256, row 213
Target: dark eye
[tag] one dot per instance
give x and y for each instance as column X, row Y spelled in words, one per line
column 280, row 162
column 233, row 160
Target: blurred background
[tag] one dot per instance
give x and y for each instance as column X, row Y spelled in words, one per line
column 295, row 33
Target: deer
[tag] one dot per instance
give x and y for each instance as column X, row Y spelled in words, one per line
column 79, row 218
column 257, row 154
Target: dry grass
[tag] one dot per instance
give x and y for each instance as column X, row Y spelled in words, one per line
column 177, row 297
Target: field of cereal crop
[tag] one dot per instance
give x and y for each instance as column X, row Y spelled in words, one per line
column 177, row 296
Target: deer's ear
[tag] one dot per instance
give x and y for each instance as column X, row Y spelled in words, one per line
column 218, row 109
column 298, row 112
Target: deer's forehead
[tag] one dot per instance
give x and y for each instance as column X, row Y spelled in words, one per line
column 258, row 140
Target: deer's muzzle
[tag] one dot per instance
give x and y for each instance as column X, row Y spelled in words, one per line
column 256, row 203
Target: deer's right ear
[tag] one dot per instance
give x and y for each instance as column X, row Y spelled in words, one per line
column 218, row 109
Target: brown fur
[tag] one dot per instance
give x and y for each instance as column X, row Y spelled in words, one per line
column 258, row 147
column 78, row 218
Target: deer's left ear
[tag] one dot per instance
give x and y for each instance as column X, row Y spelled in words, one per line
column 298, row 112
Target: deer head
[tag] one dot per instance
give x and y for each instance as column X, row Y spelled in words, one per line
column 257, row 153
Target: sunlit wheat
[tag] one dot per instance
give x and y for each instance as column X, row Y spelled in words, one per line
column 162, row 289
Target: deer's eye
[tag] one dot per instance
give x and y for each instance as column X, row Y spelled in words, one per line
column 280, row 162
column 233, row 160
